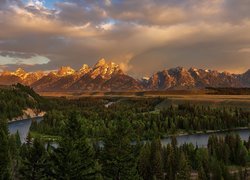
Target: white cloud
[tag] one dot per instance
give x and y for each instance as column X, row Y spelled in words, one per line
column 244, row 50
column 108, row 2
column 107, row 26
column 38, row 3
column 11, row 57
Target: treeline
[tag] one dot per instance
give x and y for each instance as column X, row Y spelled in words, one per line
column 120, row 155
column 178, row 162
column 16, row 98
column 228, row 91
column 200, row 118
column 142, row 117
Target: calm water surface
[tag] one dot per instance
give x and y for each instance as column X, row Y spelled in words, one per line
column 201, row 139
column 22, row 127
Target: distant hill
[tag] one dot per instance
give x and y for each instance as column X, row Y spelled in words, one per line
column 18, row 98
column 228, row 91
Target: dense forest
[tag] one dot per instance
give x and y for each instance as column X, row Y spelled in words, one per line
column 15, row 99
column 141, row 115
column 119, row 156
column 119, row 138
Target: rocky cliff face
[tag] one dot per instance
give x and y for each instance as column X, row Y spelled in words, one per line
column 108, row 76
column 245, row 78
column 160, row 81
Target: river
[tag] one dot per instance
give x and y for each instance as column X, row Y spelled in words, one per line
column 200, row 140
column 22, row 127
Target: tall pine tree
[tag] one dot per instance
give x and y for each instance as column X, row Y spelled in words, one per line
column 119, row 158
column 144, row 163
column 5, row 161
column 74, row 158
column 184, row 168
column 156, row 159
column 33, row 161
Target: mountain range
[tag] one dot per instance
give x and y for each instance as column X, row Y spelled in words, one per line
column 108, row 76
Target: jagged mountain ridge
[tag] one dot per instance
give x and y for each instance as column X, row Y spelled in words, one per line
column 181, row 78
column 103, row 76
column 108, row 76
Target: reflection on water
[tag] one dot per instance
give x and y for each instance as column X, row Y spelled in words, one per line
column 22, row 127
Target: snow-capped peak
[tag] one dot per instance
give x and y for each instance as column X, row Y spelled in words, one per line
column 101, row 62
column 145, row 78
column 195, row 70
column 105, row 69
column 84, row 69
column 20, row 73
column 85, row 66
column 65, row 70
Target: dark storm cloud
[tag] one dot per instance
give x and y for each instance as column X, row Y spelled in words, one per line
column 205, row 34
column 236, row 10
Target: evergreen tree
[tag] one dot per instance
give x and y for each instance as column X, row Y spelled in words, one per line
column 225, row 172
column 14, row 147
column 242, row 155
column 248, row 144
column 118, row 157
column 74, row 158
column 202, row 174
column 5, row 162
column 33, row 161
column 28, row 141
column 216, row 169
column 144, row 162
column 156, row 159
column 202, row 161
column 174, row 144
column 184, row 172
column 171, row 172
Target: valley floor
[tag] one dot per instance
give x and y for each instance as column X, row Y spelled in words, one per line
column 240, row 101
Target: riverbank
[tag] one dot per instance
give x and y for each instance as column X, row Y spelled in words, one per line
column 205, row 132
column 200, row 138
column 45, row 137
column 20, row 120
column 29, row 114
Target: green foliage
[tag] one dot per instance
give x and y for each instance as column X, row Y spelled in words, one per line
column 229, row 150
column 142, row 117
column 106, row 143
column 14, row 149
column 33, row 161
column 184, row 168
column 144, row 163
column 51, row 124
column 119, row 156
column 18, row 98
column 74, row 158
column 156, row 159
column 5, row 160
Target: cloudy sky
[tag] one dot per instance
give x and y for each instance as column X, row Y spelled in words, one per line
column 143, row 36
